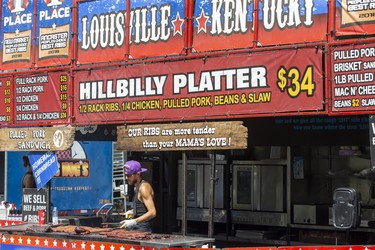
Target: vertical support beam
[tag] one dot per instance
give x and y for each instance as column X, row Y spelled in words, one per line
column 183, row 196
column 127, row 31
column 212, row 196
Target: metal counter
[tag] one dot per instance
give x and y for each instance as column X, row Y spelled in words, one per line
column 171, row 241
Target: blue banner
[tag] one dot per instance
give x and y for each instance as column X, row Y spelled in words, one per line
column 44, row 166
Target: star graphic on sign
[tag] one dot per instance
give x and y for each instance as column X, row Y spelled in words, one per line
column 64, row 243
column 6, row 224
column 54, row 243
column 46, row 242
column 11, row 239
column 177, row 24
column 122, row 248
column 74, row 245
column 102, row 247
column 132, row 248
column 20, row 240
column 83, row 245
column 17, row 31
column 37, row 242
column 202, row 22
column 53, row 26
column 4, row 239
column 92, row 246
column 112, row 247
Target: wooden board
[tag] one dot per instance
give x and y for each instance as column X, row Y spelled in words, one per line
column 36, row 139
column 182, row 136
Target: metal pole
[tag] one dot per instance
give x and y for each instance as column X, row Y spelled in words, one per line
column 48, row 212
column 183, row 196
column 212, row 197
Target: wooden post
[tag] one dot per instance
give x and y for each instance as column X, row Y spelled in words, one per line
column 183, row 196
column 212, row 196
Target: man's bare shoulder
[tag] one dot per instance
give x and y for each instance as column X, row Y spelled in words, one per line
column 145, row 188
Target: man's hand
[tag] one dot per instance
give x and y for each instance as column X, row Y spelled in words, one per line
column 128, row 224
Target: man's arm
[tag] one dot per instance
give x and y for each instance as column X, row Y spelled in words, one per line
column 28, row 181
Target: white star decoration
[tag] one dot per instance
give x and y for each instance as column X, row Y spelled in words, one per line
column 33, row 241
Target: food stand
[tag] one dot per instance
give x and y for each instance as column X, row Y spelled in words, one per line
column 31, row 234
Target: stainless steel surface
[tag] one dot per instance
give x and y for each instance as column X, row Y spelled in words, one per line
column 258, row 186
column 201, row 214
column 178, row 241
column 304, row 214
column 16, row 228
column 198, row 183
column 218, row 176
column 259, row 218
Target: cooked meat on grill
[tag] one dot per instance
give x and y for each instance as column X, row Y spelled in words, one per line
column 72, row 229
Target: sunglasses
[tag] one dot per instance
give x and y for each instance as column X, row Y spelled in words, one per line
column 128, row 175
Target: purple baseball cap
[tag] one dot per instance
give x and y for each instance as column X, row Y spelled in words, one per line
column 133, row 167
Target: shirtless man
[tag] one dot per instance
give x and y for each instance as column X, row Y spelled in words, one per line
column 143, row 203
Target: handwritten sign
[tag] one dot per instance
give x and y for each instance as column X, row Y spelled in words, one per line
column 44, row 166
column 182, row 136
column 36, row 139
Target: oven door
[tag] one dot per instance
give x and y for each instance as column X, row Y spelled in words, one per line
column 194, row 186
column 243, row 187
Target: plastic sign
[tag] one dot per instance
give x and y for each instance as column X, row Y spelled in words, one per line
column 45, row 166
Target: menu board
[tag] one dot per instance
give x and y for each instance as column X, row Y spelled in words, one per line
column 42, row 98
column 5, row 96
column 353, row 86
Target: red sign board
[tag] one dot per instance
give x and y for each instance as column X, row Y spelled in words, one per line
column 352, row 77
column 267, row 82
column 41, row 98
column 6, row 97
